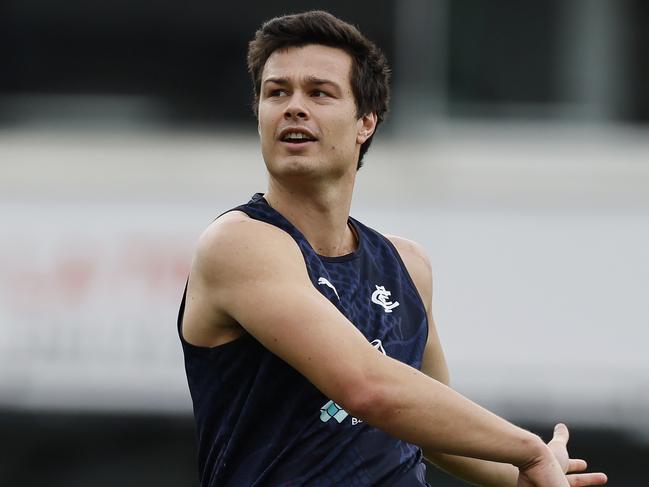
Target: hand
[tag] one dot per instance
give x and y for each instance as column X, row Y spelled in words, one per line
column 551, row 467
column 558, row 446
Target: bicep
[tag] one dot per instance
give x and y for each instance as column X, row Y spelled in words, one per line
column 295, row 322
column 267, row 290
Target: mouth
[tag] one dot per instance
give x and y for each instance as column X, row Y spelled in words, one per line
column 296, row 137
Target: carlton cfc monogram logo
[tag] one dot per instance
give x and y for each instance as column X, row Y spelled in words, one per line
column 382, row 298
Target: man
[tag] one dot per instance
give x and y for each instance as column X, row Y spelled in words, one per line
column 310, row 348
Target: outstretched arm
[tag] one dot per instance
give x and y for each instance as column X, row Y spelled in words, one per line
column 493, row 474
column 475, row 471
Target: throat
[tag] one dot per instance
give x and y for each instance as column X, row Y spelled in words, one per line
column 349, row 246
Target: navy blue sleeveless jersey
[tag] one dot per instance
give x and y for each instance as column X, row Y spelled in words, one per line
column 261, row 423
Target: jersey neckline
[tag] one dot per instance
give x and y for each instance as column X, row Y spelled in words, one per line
column 351, row 222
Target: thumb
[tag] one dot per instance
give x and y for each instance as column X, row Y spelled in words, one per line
column 561, row 433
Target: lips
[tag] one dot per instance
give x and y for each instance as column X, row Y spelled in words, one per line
column 296, row 135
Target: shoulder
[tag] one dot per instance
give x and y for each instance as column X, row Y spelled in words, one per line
column 417, row 264
column 235, row 227
column 236, row 243
column 235, row 256
column 409, row 249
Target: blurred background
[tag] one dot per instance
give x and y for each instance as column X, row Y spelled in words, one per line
column 516, row 152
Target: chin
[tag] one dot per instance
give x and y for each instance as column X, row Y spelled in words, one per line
column 288, row 166
column 294, row 165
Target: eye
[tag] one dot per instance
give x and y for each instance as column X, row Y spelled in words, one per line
column 276, row 93
column 319, row 93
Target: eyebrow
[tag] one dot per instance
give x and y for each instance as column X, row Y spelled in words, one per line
column 312, row 80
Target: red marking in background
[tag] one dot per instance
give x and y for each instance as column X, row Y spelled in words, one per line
column 160, row 267
column 156, row 266
column 75, row 274
column 67, row 279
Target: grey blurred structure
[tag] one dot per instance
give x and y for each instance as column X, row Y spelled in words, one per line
column 517, row 153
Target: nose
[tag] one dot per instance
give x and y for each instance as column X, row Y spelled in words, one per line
column 295, row 109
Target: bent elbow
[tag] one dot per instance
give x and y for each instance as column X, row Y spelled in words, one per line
column 368, row 402
column 371, row 391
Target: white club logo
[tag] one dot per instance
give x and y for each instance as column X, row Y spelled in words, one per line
column 382, row 297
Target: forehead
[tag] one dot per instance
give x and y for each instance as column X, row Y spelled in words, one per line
column 311, row 60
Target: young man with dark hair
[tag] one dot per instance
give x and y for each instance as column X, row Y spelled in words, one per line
column 310, row 348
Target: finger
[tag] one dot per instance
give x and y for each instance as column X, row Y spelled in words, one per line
column 577, row 465
column 561, row 433
column 585, row 479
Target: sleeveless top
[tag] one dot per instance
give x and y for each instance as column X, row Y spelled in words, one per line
column 259, row 422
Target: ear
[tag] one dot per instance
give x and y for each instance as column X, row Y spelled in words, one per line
column 365, row 127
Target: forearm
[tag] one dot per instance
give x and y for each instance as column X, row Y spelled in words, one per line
column 474, row 471
column 412, row 406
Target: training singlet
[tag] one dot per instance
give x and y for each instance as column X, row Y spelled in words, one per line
column 261, row 423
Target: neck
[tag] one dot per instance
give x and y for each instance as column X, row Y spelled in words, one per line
column 320, row 214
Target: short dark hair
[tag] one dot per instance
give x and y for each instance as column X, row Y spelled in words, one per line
column 370, row 73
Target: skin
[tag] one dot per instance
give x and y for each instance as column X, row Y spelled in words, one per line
column 312, row 186
column 475, row 471
column 238, row 286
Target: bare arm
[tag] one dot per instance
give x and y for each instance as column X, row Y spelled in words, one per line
column 255, row 274
column 475, row 471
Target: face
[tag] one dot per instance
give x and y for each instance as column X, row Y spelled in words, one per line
column 307, row 113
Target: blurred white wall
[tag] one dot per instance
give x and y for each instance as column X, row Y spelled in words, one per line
column 538, row 236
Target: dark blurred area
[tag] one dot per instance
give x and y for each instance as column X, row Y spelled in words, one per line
column 566, row 53
column 112, row 450
column 177, row 63
column 187, row 61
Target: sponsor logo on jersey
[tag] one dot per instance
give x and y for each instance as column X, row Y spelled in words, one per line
column 382, row 297
column 332, row 410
